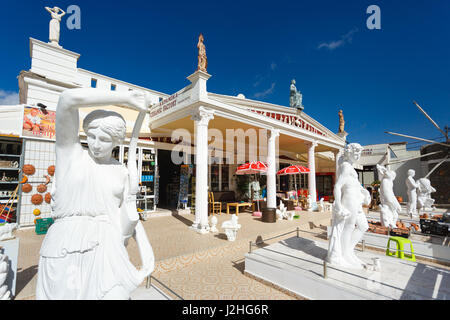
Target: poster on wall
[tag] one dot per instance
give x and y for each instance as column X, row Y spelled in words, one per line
column 38, row 123
column 185, row 172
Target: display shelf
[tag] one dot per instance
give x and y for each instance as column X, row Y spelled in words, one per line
column 9, row 182
column 6, row 201
column 9, row 169
column 10, row 155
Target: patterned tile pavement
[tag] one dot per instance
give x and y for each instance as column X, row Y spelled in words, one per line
column 194, row 266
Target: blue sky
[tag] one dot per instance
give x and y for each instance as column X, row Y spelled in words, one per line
column 256, row 48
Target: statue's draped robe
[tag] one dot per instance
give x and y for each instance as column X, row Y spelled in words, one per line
column 83, row 255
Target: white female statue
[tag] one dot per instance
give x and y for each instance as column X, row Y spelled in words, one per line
column 390, row 207
column 83, row 255
column 349, row 220
column 54, row 24
column 412, row 186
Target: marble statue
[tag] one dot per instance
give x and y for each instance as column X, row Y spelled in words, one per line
column 321, row 205
column 54, row 31
column 348, row 219
column 5, row 294
column 213, row 227
column 390, row 207
column 202, row 60
column 84, row 255
column 231, row 227
column 424, row 200
column 281, row 213
column 341, row 122
column 295, row 98
column 6, row 231
column 412, row 186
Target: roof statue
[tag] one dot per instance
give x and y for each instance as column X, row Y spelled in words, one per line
column 202, row 60
column 341, row 122
column 295, row 98
column 54, row 27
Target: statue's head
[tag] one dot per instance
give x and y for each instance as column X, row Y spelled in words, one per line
column 104, row 130
column 353, row 151
column 200, row 37
column 293, row 81
column 411, row 173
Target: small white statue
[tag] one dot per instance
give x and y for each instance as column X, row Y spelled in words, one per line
column 424, row 200
column 83, row 255
column 231, row 227
column 281, row 213
column 309, row 201
column 6, row 231
column 321, row 205
column 412, row 186
column 54, row 28
column 213, row 224
column 5, row 294
column 389, row 204
column 349, row 221
column 289, row 215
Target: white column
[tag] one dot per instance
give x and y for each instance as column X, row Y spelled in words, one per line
column 312, row 172
column 337, row 158
column 201, row 119
column 271, row 170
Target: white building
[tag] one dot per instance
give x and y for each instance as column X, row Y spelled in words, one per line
column 273, row 133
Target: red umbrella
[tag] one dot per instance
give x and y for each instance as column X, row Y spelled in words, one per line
column 252, row 167
column 295, row 169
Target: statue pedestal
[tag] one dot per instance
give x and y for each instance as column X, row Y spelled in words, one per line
column 296, row 265
column 343, row 135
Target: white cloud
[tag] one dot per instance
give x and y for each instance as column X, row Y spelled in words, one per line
column 8, row 97
column 273, row 66
column 346, row 38
column 265, row 92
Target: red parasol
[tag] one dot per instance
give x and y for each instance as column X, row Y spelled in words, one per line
column 295, row 169
column 252, row 167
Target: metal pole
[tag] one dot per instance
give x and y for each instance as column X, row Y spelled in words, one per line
column 149, row 282
column 298, row 236
column 363, row 244
column 250, row 247
column 324, row 269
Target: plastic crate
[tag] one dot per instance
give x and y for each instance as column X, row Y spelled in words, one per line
column 440, row 229
column 42, row 225
column 399, row 233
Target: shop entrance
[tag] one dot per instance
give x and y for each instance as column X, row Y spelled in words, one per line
column 169, row 180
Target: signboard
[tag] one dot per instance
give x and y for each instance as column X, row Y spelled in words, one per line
column 291, row 120
column 38, row 123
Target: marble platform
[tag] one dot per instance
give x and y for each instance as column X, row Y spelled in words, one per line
column 296, row 265
column 152, row 293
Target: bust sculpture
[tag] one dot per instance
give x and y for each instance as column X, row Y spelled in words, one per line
column 341, row 122
column 295, row 97
column 83, row 255
column 412, row 186
column 349, row 221
column 202, row 60
column 424, row 200
column 54, row 27
column 390, row 207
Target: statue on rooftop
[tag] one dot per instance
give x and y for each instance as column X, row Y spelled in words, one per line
column 341, row 122
column 202, row 60
column 56, row 13
column 295, row 98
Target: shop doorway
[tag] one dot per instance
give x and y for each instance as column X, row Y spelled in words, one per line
column 169, row 181
column 324, row 186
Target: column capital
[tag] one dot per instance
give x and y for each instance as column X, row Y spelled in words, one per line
column 273, row 133
column 311, row 144
column 202, row 116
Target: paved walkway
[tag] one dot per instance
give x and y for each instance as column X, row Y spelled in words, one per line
column 194, row 266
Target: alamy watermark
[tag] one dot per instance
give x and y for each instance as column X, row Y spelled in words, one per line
column 374, row 20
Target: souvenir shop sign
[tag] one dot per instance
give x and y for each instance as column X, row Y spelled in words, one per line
column 169, row 103
column 38, row 123
column 291, row 120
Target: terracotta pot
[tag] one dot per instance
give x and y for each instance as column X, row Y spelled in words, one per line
column 51, row 170
column 24, row 179
column 41, row 188
column 37, row 199
column 48, row 197
column 27, row 188
column 29, row 169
